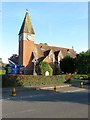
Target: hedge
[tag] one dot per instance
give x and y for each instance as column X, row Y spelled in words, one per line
column 81, row 76
column 30, row 80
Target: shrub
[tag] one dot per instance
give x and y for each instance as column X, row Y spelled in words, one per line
column 80, row 76
column 30, row 80
column 2, row 71
column 8, row 80
column 11, row 81
column 43, row 67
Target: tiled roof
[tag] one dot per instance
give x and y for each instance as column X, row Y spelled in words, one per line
column 43, row 51
column 26, row 25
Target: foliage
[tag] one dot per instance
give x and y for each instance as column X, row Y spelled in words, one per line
column 80, row 76
column 2, row 70
column 57, row 70
column 89, row 76
column 67, row 64
column 43, row 43
column 11, row 81
column 30, row 80
column 43, row 67
column 8, row 81
column 82, row 62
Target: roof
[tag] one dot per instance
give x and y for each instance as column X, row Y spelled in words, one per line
column 41, row 50
column 26, row 25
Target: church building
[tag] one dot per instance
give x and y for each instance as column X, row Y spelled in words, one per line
column 30, row 53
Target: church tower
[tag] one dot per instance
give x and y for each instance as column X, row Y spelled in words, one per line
column 26, row 42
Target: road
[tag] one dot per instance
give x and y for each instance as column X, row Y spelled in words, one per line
column 68, row 102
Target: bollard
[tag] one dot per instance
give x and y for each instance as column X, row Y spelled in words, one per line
column 13, row 92
column 55, row 88
column 81, row 84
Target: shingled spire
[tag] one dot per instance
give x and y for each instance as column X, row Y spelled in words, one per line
column 26, row 25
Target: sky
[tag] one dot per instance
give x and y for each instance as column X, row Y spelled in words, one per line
column 63, row 24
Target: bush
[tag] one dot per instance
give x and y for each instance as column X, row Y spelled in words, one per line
column 11, row 81
column 29, row 80
column 2, row 71
column 43, row 67
column 80, row 76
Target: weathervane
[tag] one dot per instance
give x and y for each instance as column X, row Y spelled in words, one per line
column 26, row 10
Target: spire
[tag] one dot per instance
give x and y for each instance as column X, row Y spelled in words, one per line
column 26, row 25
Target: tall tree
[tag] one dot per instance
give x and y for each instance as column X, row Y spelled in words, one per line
column 82, row 62
column 67, row 64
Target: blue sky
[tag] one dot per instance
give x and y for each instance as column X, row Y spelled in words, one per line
column 63, row 24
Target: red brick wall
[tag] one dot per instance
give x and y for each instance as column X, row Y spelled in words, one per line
column 20, row 52
column 25, row 52
column 28, row 47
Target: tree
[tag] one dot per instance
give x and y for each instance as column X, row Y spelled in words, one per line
column 82, row 62
column 43, row 67
column 67, row 64
column 43, row 43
